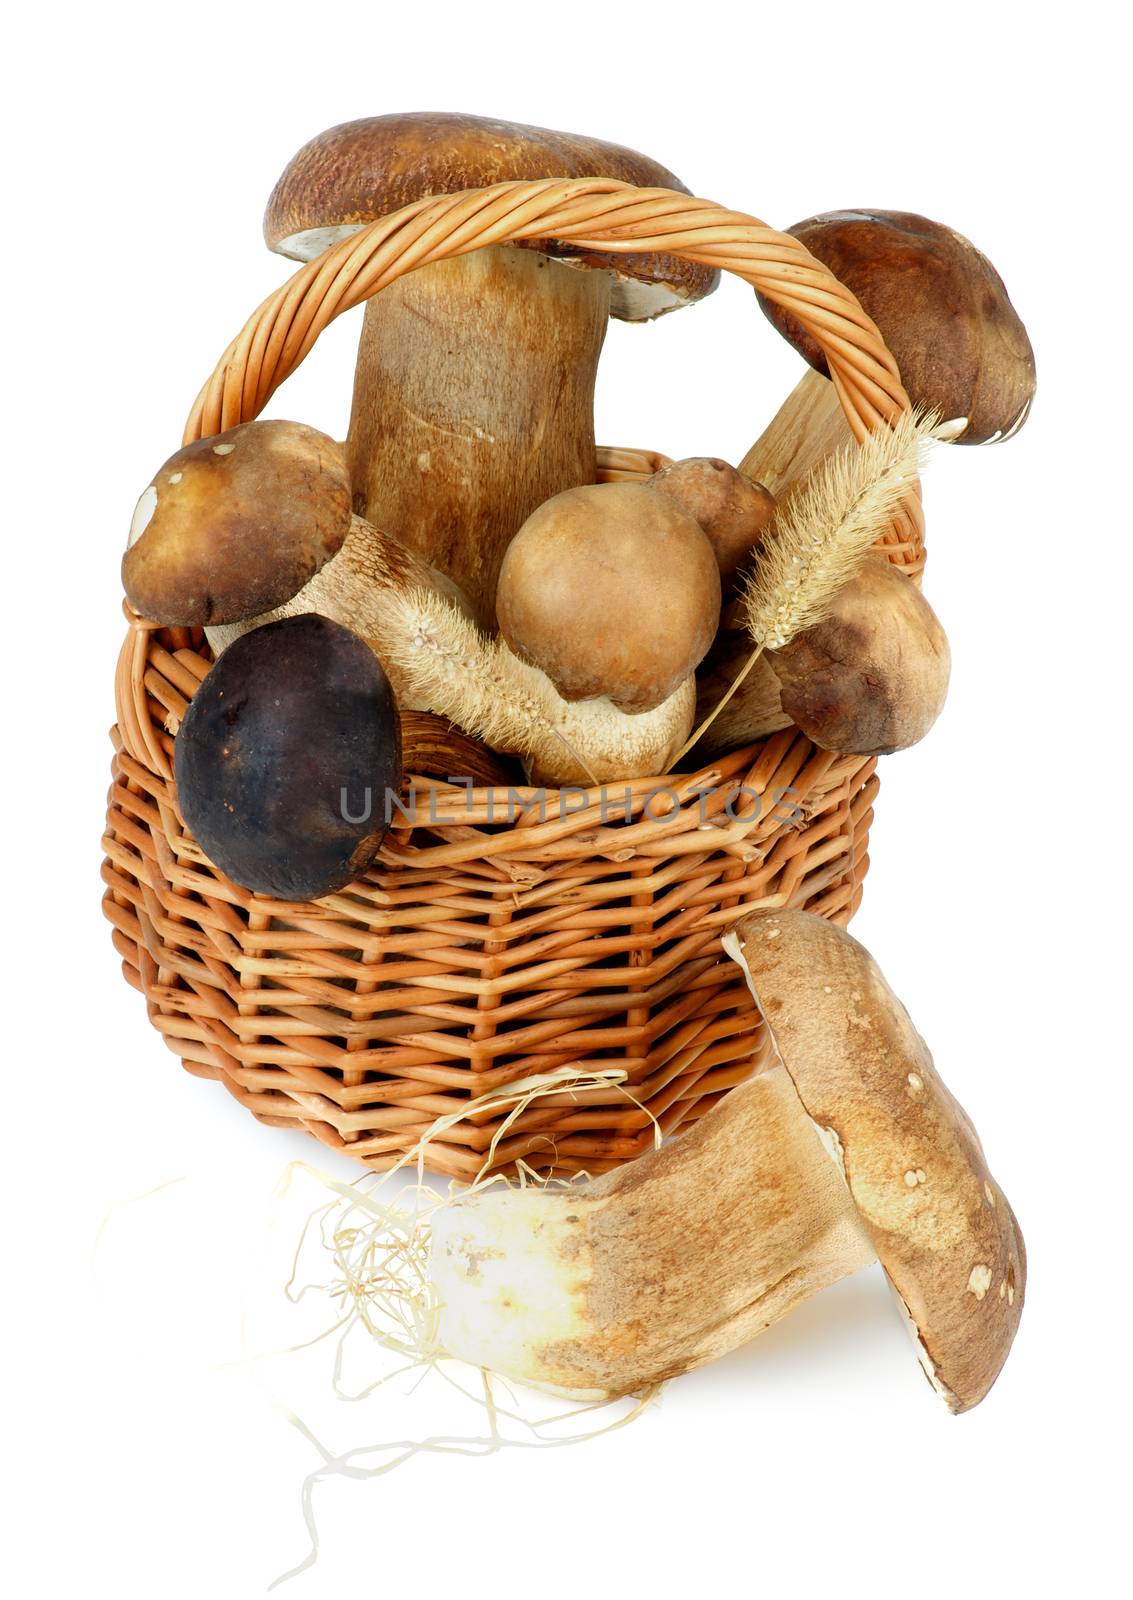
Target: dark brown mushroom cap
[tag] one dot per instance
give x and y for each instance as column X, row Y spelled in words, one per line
column 916, row 1170
column 236, row 524
column 941, row 307
column 358, row 171
column 611, row 589
column 872, row 676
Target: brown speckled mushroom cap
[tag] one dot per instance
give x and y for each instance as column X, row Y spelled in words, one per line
column 872, row 676
column 941, row 307
column 362, row 170
column 234, row 525
column 942, row 1227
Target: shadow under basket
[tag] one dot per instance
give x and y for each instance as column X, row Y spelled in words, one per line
column 497, row 936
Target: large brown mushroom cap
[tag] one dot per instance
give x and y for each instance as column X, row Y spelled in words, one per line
column 941, row 307
column 358, row 171
column 872, row 676
column 612, row 590
column 942, row 1227
column 236, row 524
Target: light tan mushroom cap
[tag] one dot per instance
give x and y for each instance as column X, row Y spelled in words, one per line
column 942, row 1227
column 611, row 589
column 358, row 171
column 234, row 525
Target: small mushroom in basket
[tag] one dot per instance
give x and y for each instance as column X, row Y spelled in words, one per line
column 733, row 512
column 612, row 595
column 849, row 1149
column 942, row 309
column 872, row 676
column 612, row 590
column 235, row 524
column 868, row 679
column 474, row 390
column 285, row 757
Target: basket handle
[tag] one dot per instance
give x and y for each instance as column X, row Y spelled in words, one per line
column 590, row 214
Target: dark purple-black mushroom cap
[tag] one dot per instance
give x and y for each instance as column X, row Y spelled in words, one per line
column 287, row 758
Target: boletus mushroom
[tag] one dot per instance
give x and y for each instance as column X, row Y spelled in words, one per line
column 474, row 389
column 869, row 679
column 946, row 316
column 872, row 676
column 612, row 590
column 233, row 525
column 849, row 1149
column 733, row 512
column 285, row 757
column 941, row 308
column 451, row 666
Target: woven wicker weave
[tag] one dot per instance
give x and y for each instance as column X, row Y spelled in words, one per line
column 479, row 949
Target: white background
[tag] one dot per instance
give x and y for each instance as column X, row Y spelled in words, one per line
column 145, row 1460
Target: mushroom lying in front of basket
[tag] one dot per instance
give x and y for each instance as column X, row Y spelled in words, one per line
column 474, row 389
column 943, row 311
column 255, row 524
column 287, row 756
column 849, row 1149
column 609, row 596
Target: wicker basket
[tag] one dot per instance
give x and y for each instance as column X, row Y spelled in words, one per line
column 478, row 950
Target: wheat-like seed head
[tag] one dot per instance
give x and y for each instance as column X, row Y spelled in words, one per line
column 827, row 528
column 462, row 674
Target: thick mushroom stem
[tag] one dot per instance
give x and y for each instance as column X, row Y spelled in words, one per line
column 657, row 1267
column 474, row 403
column 809, row 426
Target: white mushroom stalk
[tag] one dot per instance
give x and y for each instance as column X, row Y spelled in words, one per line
column 655, row 1268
